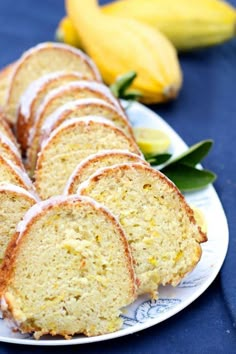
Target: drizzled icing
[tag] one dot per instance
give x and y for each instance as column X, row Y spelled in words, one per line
column 52, row 119
column 38, row 208
column 59, row 46
column 19, row 190
column 96, row 156
column 36, row 86
column 80, row 85
column 10, row 144
column 86, row 120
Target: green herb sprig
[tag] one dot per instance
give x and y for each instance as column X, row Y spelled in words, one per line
column 120, row 88
column 183, row 170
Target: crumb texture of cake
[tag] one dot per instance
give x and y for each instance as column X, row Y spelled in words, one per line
column 15, row 202
column 85, row 107
column 33, row 97
column 40, row 60
column 92, row 163
column 68, row 271
column 69, row 144
column 158, row 223
column 55, row 99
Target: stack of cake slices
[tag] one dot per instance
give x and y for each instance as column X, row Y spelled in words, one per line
column 87, row 225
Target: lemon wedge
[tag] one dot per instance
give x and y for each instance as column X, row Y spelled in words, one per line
column 200, row 218
column 151, row 141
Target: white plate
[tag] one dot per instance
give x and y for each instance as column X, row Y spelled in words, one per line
column 145, row 313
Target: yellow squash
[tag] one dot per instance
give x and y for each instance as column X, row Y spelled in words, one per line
column 120, row 45
column 187, row 23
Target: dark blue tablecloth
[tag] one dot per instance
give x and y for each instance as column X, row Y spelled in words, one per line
column 206, row 108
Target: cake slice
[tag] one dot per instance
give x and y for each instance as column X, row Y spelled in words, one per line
column 9, row 151
column 85, row 107
column 58, row 97
column 33, row 96
column 14, row 201
column 40, row 60
column 94, row 162
column 159, row 224
column 10, row 173
column 68, row 270
column 69, row 144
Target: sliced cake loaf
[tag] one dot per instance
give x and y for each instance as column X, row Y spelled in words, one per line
column 9, row 151
column 33, row 96
column 14, row 201
column 69, row 144
column 85, row 107
column 69, row 270
column 158, row 223
column 5, row 75
column 92, row 163
column 5, row 129
column 40, row 60
column 10, row 173
column 57, row 98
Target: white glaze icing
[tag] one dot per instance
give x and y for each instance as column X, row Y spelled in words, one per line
column 77, row 120
column 59, row 46
column 10, row 144
column 18, row 190
column 93, row 157
column 36, row 86
column 84, row 185
column 82, row 84
column 38, row 208
column 52, row 119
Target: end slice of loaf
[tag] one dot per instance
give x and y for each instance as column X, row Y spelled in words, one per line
column 69, row 144
column 15, row 202
column 159, row 224
column 34, row 95
column 85, row 107
column 69, row 270
column 58, row 97
column 92, row 163
column 40, row 60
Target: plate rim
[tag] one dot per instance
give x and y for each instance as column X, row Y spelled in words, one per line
column 154, row 321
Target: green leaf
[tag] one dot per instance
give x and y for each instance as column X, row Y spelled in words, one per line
column 122, row 83
column 188, row 178
column 156, row 160
column 131, row 95
column 194, row 154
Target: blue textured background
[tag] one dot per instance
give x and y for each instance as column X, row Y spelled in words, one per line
column 206, row 108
